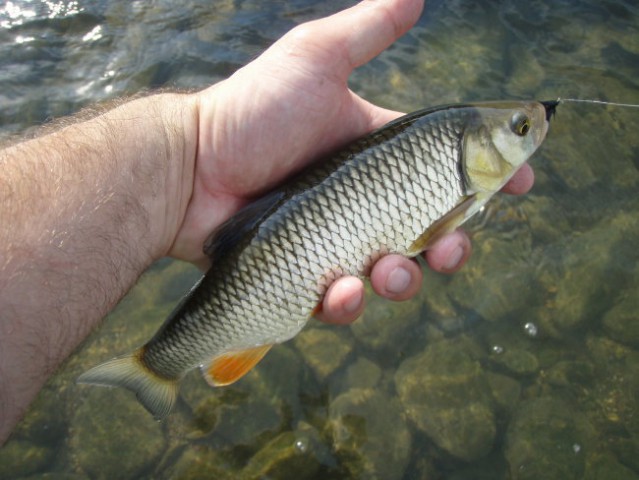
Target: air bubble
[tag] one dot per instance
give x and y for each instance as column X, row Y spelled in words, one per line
column 301, row 446
column 531, row 329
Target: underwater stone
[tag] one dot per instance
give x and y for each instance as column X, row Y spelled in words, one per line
column 385, row 325
column 505, row 390
column 288, row 455
column 113, row 436
column 440, row 311
column 251, row 410
column 446, row 394
column 56, row 476
column 323, row 350
column 199, row 462
column 497, row 282
column 19, row 458
column 527, row 73
column 519, row 362
column 370, row 436
column 621, row 322
column 625, row 450
column 584, row 283
column 247, row 423
column 570, row 374
column 617, row 383
column 44, row 422
column 541, row 439
column 362, row 373
column 606, row 467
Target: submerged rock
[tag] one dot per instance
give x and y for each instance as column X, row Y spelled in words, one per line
column 583, row 285
column 56, row 476
column 298, row 454
column 505, row 390
column 385, row 326
column 621, row 322
column 546, row 439
column 369, row 435
column 517, row 361
column 446, row 394
column 44, row 422
column 625, row 450
column 571, row 374
column 19, row 458
column 252, row 409
column 616, row 388
column 113, row 436
column 499, row 280
column 199, row 462
column 323, row 349
column 246, row 424
column 606, row 467
column 362, row 373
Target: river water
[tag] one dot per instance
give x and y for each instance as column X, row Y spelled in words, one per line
column 524, row 365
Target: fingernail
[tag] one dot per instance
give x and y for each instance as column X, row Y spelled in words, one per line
column 398, row 280
column 454, row 258
column 354, row 303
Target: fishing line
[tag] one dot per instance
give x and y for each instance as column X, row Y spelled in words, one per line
column 597, row 102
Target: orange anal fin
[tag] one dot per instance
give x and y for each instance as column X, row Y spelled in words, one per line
column 231, row 366
column 318, row 309
column 444, row 225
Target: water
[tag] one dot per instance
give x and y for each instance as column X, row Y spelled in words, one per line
column 523, row 365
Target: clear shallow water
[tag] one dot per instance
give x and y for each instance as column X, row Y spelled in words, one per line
column 527, row 361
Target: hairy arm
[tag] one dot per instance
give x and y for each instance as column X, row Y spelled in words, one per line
column 83, row 212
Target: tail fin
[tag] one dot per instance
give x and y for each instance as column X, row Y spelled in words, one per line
column 156, row 394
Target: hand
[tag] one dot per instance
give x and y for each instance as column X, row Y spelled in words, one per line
column 289, row 107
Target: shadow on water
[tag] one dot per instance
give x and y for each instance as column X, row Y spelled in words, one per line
column 524, row 365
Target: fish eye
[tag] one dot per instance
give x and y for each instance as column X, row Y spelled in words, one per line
column 520, row 124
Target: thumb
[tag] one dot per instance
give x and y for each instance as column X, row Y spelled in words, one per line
column 354, row 36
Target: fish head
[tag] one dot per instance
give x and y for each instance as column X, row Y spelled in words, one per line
column 502, row 136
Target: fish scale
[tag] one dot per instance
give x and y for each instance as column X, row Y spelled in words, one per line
column 394, row 191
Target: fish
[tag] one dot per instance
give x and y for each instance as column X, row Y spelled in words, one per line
column 396, row 190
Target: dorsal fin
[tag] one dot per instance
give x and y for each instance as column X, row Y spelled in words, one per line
column 231, row 232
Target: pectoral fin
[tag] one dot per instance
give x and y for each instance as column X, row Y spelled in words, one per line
column 448, row 223
column 231, row 366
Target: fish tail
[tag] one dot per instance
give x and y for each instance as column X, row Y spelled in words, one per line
column 157, row 394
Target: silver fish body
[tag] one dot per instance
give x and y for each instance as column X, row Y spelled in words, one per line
column 394, row 191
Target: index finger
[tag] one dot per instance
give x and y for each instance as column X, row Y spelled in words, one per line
column 521, row 182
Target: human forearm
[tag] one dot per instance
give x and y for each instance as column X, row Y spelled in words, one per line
column 84, row 210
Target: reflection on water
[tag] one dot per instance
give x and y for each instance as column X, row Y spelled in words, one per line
column 523, row 365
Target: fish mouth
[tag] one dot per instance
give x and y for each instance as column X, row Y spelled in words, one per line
column 550, row 106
